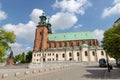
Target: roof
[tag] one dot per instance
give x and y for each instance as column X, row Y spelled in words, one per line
column 71, row 36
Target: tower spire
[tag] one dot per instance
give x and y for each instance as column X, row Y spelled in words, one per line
column 42, row 19
column 49, row 26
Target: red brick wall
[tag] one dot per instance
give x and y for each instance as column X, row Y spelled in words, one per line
column 40, row 41
column 74, row 43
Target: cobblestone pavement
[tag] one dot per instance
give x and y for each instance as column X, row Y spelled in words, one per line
column 76, row 73
column 72, row 72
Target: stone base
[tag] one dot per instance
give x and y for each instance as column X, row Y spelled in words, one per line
column 9, row 62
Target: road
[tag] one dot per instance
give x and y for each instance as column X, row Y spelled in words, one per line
column 75, row 73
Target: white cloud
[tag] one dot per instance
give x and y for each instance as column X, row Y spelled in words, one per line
column 22, row 31
column 20, row 48
column 72, row 6
column 3, row 15
column 98, row 34
column 35, row 15
column 114, row 10
column 63, row 20
column 78, row 26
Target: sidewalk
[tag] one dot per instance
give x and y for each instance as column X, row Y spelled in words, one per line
column 113, row 74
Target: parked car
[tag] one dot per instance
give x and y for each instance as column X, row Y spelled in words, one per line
column 102, row 62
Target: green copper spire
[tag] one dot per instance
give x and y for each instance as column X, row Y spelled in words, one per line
column 42, row 19
column 49, row 26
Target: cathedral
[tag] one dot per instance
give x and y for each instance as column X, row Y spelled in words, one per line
column 69, row 46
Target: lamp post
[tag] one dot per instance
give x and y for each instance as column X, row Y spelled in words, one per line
column 108, row 65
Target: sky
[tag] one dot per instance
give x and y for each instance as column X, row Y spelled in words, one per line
column 22, row 17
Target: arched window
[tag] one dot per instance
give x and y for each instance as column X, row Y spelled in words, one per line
column 77, row 43
column 93, row 53
column 63, row 55
column 77, row 53
column 70, row 54
column 53, row 54
column 102, row 53
column 65, row 44
column 86, row 54
column 56, row 55
column 70, row 44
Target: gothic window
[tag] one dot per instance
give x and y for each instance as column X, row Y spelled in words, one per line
column 102, row 53
column 40, row 33
column 54, row 44
column 60, row 44
column 77, row 53
column 65, row 44
column 86, row 54
column 70, row 54
column 77, row 43
column 93, row 53
column 70, row 43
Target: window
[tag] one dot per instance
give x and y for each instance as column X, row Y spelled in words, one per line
column 86, row 54
column 56, row 55
column 37, row 59
column 34, row 55
column 63, row 55
column 60, row 44
column 77, row 43
column 55, row 45
column 102, row 53
column 93, row 53
column 70, row 54
column 53, row 59
column 53, row 54
column 41, row 33
column 65, row 44
column 70, row 44
column 77, row 53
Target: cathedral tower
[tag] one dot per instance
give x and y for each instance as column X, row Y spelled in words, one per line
column 43, row 28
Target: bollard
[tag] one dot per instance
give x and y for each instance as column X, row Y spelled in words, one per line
column 4, row 75
column 45, row 69
column 27, row 72
column 17, row 73
column 40, row 70
column 34, row 71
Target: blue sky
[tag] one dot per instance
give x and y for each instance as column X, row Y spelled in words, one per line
column 21, row 16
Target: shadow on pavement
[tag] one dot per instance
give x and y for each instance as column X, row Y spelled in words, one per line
column 95, row 72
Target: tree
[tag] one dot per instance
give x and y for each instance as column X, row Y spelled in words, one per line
column 29, row 56
column 5, row 39
column 18, row 58
column 111, row 42
column 23, row 58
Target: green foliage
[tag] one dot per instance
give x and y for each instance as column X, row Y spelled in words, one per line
column 111, row 41
column 18, row 58
column 23, row 58
column 5, row 39
column 29, row 57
